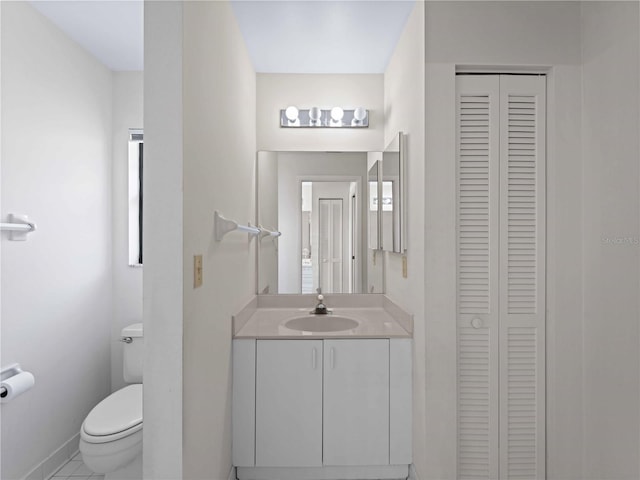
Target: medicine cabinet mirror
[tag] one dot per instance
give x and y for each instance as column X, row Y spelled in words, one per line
column 320, row 203
column 374, row 192
column 393, row 213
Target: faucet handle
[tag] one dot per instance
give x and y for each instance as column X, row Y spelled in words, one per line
column 319, row 290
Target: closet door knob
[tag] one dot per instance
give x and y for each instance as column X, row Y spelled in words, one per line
column 477, row 322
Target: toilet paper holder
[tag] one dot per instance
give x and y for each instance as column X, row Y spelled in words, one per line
column 8, row 372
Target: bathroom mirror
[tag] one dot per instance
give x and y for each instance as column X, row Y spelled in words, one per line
column 393, row 196
column 319, row 202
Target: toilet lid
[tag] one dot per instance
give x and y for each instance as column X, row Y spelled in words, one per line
column 119, row 412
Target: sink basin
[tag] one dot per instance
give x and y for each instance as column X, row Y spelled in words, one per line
column 321, row 323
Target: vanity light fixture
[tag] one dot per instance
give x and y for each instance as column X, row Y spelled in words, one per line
column 317, row 117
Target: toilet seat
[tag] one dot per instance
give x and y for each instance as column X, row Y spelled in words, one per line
column 117, row 416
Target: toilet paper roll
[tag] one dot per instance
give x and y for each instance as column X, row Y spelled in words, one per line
column 16, row 385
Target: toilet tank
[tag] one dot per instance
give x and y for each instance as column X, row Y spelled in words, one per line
column 133, row 352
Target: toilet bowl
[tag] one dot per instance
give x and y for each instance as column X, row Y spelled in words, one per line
column 111, row 435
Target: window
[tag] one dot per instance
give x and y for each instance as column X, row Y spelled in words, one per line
column 135, row 196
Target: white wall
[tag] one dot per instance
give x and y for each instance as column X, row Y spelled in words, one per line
column 506, row 35
column 127, row 281
column 278, row 91
column 219, row 98
column 0, row 207
column 611, row 234
column 502, row 33
column 404, row 82
column 163, row 252
column 56, row 288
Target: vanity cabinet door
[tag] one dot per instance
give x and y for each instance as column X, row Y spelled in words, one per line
column 289, row 403
column 356, row 402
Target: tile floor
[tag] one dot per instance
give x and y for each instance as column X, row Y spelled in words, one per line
column 75, row 469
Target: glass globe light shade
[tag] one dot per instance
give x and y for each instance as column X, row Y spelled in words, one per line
column 360, row 113
column 291, row 113
column 336, row 114
column 314, row 114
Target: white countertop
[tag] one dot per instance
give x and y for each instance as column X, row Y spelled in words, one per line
column 373, row 322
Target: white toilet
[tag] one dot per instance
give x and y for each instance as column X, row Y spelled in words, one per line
column 111, row 435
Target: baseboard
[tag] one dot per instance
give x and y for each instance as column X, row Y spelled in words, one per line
column 232, row 474
column 50, row 465
column 362, row 472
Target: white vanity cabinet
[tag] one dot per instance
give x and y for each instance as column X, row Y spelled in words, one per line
column 293, row 397
column 356, row 402
column 328, row 404
column 288, row 403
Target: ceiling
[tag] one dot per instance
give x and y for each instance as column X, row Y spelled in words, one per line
column 309, row 36
column 291, row 36
column 112, row 31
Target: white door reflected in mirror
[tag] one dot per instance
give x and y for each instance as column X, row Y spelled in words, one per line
column 328, row 244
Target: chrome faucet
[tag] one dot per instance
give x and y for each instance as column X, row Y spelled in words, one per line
column 321, row 308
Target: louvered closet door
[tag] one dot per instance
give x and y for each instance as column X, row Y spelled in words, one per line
column 500, row 276
column 477, row 273
column 522, row 277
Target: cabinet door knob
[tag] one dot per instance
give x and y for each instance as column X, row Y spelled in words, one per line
column 314, row 358
column 477, row 322
column 332, row 358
